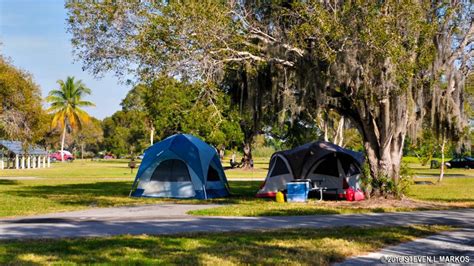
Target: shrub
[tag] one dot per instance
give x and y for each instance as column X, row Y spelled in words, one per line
column 388, row 187
column 264, row 151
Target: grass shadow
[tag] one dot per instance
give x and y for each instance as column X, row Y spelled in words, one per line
column 297, row 212
column 288, row 246
column 468, row 200
column 8, row 182
column 85, row 194
column 445, row 175
column 115, row 193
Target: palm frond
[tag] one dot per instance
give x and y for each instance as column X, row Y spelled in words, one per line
column 58, row 120
column 82, row 114
column 78, row 121
column 84, row 103
column 74, row 121
column 55, row 99
column 57, row 93
column 61, row 83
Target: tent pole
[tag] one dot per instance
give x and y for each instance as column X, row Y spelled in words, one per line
column 205, row 193
column 133, row 186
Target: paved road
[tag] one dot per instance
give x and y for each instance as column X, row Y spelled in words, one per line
column 435, row 248
column 170, row 219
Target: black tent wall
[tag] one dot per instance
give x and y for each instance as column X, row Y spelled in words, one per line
column 302, row 158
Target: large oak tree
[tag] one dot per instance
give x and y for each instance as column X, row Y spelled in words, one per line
column 385, row 65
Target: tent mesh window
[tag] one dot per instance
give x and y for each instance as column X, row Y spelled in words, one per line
column 212, row 174
column 327, row 166
column 171, row 171
column 353, row 170
column 279, row 168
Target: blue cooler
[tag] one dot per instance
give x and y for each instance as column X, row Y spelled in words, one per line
column 297, row 191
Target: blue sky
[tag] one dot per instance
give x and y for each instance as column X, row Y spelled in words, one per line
column 33, row 36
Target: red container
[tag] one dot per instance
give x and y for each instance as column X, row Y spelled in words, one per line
column 350, row 194
column 359, row 195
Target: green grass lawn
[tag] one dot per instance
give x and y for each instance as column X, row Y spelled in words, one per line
column 451, row 190
column 66, row 186
column 289, row 247
column 86, row 184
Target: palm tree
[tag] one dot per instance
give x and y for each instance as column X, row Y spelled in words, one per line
column 66, row 103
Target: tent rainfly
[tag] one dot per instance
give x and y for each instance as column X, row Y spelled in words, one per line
column 15, row 156
column 325, row 163
column 180, row 166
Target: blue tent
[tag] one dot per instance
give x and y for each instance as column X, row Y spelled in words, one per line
column 180, row 166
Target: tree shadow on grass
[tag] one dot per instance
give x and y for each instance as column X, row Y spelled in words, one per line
column 8, row 182
column 295, row 246
column 467, row 174
column 454, row 200
column 246, row 189
column 84, row 194
column 298, row 212
column 240, row 191
column 116, row 193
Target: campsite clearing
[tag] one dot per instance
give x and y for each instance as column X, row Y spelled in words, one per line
column 290, row 246
column 324, row 164
column 314, row 207
column 87, row 184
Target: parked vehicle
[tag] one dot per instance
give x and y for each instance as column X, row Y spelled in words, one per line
column 109, row 157
column 56, row 156
column 464, row 162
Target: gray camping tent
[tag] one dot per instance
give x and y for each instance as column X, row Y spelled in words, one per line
column 323, row 162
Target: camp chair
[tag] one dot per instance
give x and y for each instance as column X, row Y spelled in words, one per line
column 315, row 185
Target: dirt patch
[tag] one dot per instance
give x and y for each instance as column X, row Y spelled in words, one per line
column 386, row 204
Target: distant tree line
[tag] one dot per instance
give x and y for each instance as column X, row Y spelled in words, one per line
column 168, row 106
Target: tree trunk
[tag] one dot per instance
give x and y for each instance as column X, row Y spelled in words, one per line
column 82, row 150
column 326, row 138
column 152, row 135
column 383, row 134
column 247, row 159
column 441, row 171
column 62, row 143
column 384, row 163
column 339, row 138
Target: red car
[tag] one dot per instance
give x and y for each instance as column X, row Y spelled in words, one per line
column 109, row 156
column 56, row 156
